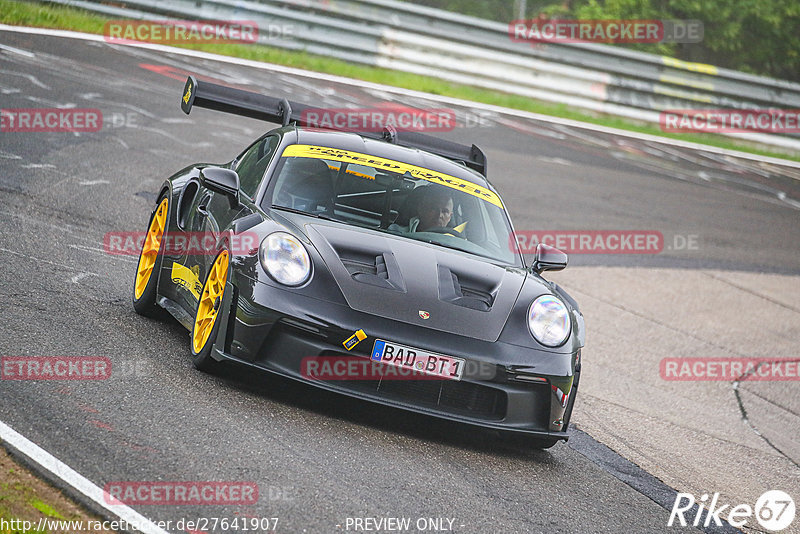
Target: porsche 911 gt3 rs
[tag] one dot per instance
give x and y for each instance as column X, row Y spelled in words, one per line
column 378, row 265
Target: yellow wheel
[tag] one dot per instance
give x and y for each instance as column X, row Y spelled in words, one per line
column 144, row 288
column 205, row 321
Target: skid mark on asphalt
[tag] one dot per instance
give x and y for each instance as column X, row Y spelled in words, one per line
column 41, row 260
column 82, row 274
column 101, row 252
column 721, row 172
column 101, row 425
column 174, row 138
column 77, row 233
column 574, row 289
column 63, row 227
column 623, row 408
column 751, row 292
column 749, row 422
column 528, row 129
column 96, row 98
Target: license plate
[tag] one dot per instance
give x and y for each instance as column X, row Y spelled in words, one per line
column 418, row 360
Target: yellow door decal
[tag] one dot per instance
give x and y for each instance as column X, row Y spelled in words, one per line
column 187, row 278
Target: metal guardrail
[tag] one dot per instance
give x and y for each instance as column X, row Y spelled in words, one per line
column 458, row 48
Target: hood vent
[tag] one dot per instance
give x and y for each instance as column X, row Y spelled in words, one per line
column 381, row 271
column 395, row 277
column 464, row 292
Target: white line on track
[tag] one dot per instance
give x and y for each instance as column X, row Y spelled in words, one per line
column 17, row 51
column 78, row 277
column 31, row 78
column 39, row 260
column 105, row 254
column 406, row 92
column 38, row 166
column 75, row 480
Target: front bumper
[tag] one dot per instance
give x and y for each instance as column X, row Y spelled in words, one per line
column 525, row 390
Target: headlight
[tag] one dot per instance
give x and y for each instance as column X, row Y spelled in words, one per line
column 548, row 321
column 285, row 259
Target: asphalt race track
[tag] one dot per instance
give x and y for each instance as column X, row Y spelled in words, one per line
column 318, row 458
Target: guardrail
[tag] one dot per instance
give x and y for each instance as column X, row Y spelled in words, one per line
column 462, row 49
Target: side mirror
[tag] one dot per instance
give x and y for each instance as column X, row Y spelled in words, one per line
column 547, row 258
column 223, row 181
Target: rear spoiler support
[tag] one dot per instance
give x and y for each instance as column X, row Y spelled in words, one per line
column 282, row 111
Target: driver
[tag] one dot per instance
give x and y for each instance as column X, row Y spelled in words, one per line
column 435, row 211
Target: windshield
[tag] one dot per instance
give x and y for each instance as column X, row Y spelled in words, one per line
column 393, row 197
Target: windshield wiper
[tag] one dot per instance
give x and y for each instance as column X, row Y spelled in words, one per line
column 308, row 213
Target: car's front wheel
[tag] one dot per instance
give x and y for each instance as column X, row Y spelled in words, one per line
column 206, row 320
column 144, row 286
column 542, row 443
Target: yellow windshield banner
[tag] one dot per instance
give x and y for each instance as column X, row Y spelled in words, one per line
column 345, row 156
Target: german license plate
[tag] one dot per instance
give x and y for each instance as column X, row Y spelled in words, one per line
column 421, row 361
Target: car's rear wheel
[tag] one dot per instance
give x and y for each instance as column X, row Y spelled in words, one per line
column 150, row 258
column 206, row 320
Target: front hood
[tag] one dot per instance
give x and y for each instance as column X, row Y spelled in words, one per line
column 415, row 283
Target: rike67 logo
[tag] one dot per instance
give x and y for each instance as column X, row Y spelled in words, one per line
column 774, row 511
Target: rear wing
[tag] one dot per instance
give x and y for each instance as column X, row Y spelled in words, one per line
column 282, row 111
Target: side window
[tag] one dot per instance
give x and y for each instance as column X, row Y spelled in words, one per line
column 253, row 163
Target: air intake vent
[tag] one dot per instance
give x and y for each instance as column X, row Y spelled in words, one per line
column 463, row 292
column 372, row 270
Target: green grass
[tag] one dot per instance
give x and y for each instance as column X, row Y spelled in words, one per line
column 62, row 17
column 45, row 508
column 17, row 500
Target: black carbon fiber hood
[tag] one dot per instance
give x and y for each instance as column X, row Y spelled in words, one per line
column 417, row 283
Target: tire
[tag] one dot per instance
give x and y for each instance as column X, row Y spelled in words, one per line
column 526, row 442
column 207, row 316
column 542, row 444
column 149, row 266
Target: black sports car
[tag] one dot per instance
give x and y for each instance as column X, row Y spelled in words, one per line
column 380, row 266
